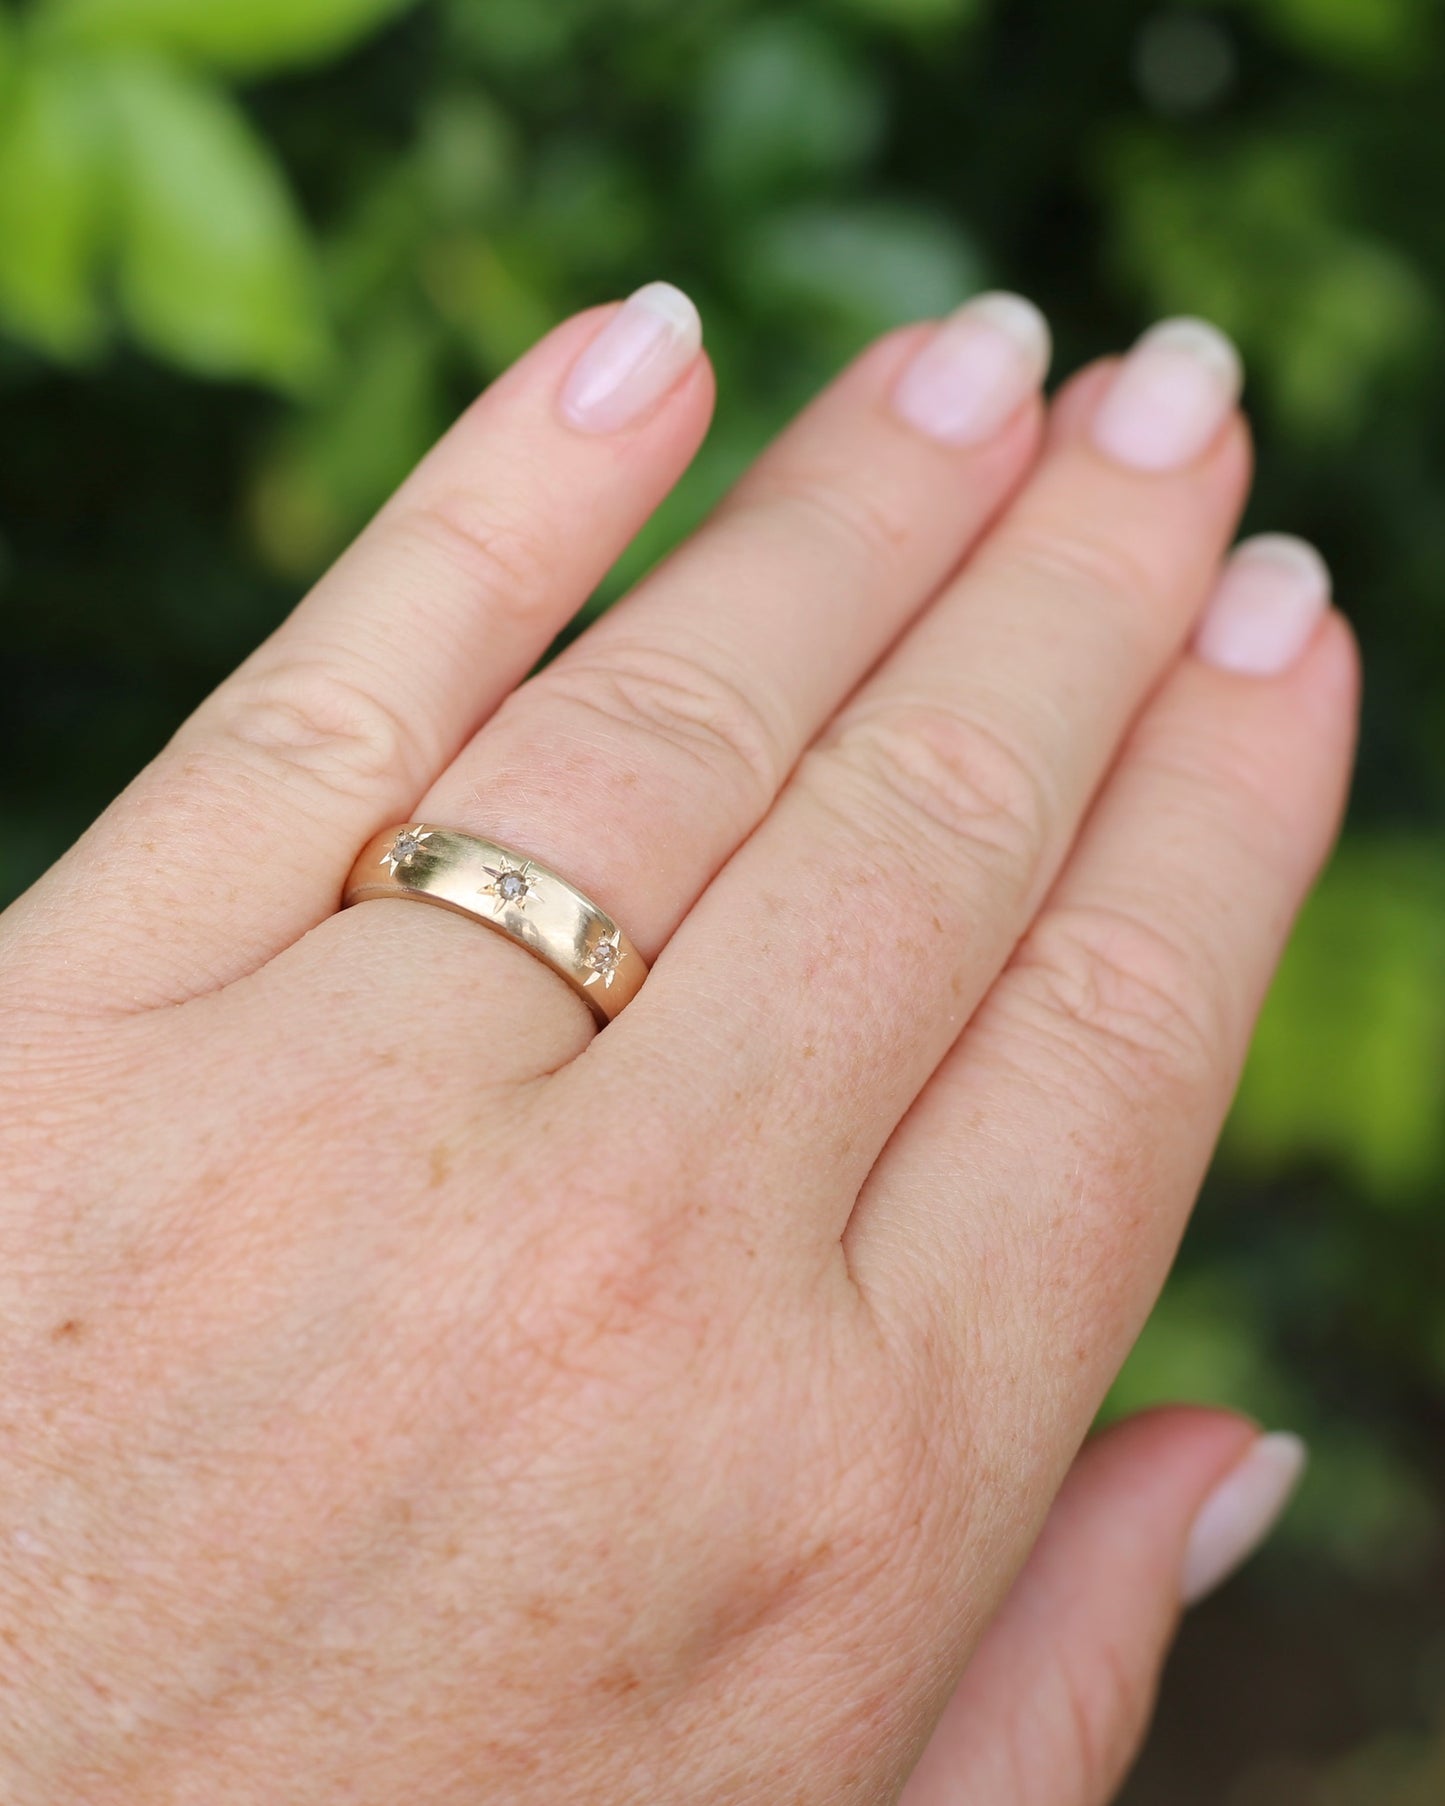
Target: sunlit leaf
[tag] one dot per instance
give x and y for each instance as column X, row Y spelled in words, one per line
column 1349, row 1065
column 216, row 271
column 52, row 202
column 245, row 36
column 1386, row 33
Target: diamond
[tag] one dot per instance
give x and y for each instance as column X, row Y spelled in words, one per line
column 604, row 959
column 405, row 848
column 511, row 885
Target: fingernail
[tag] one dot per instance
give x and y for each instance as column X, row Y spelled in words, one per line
column 1269, row 603
column 637, row 358
column 1241, row 1512
column 1170, row 397
column 976, row 371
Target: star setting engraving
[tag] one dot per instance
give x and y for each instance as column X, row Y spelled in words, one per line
column 604, row 958
column 404, row 848
column 511, row 884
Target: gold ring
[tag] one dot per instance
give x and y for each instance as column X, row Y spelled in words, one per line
column 511, row 893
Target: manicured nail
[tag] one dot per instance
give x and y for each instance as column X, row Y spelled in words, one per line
column 976, row 371
column 637, row 358
column 1269, row 603
column 1170, row 397
column 1241, row 1512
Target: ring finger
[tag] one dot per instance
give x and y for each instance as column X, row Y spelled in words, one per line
column 639, row 760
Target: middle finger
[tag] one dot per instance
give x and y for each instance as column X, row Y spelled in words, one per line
column 844, row 949
column 637, row 762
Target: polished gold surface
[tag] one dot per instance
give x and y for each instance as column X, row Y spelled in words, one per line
column 512, row 894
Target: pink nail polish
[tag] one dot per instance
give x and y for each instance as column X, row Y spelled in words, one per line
column 1170, row 397
column 637, row 359
column 1270, row 599
column 976, row 371
column 1241, row 1512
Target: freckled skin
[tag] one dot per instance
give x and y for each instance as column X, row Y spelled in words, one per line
column 410, row 1394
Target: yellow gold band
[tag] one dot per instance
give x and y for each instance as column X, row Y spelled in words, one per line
column 511, row 893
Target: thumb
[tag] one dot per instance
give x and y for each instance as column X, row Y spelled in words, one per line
column 1156, row 1513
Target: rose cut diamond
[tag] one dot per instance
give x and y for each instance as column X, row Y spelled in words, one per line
column 603, row 961
column 511, row 885
column 408, row 843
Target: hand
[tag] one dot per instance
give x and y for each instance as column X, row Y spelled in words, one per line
column 414, row 1396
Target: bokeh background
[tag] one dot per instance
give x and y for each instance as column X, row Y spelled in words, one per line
column 255, row 253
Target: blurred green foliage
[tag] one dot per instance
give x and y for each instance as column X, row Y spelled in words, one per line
column 255, row 253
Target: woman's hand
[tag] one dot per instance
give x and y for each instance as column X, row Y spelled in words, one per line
column 412, row 1396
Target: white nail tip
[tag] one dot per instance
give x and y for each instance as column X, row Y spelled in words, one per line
column 673, row 306
column 1203, row 342
column 1241, row 1512
column 1297, row 556
column 642, row 352
column 1020, row 320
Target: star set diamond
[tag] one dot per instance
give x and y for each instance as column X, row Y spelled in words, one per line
column 505, row 890
column 603, row 959
column 511, row 885
column 404, row 849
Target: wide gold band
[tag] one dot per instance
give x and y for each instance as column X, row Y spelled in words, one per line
column 511, row 893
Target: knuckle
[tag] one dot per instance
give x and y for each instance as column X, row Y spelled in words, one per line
column 1094, row 567
column 937, row 771
column 1105, row 1704
column 310, row 716
column 829, row 504
column 1134, row 1003
column 1214, row 766
column 491, row 556
column 688, row 703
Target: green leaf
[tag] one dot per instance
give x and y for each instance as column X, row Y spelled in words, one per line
column 1202, row 1343
column 1348, row 1067
column 52, row 201
column 527, row 37
column 216, row 270
column 240, row 36
column 912, row 15
column 469, row 157
column 1388, row 35
column 339, row 459
column 1254, row 237
column 782, row 104
column 864, row 268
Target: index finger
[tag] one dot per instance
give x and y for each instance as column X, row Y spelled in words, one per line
column 235, row 841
